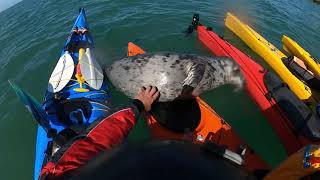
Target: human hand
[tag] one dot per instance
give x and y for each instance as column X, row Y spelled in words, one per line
column 147, row 96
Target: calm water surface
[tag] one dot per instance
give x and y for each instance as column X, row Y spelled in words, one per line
column 33, row 31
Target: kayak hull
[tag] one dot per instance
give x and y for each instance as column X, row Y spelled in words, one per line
column 296, row 50
column 302, row 120
column 255, row 87
column 55, row 103
column 270, row 54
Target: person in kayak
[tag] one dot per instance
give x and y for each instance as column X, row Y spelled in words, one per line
column 93, row 153
column 75, row 146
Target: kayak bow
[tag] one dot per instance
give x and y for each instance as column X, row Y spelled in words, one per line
column 66, row 102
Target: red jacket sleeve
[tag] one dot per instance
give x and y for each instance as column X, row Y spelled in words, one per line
column 107, row 133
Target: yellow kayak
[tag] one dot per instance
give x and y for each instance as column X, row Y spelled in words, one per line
column 270, row 54
column 295, row 49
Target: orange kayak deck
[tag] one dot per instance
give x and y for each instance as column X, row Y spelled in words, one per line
column 211, row 128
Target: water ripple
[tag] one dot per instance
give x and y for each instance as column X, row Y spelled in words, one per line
column 33, row 31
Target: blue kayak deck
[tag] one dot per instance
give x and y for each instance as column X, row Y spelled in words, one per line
column 97, row 98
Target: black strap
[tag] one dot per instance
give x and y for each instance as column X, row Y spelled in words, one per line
column 67, row 134
column 63, row 137
column 305, row 123
column 269, row 94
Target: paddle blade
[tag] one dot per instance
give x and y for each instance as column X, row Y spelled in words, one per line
column 33, row 106
column 81, row 90
column 91, row 70
column 61, row 74
column 134, row 49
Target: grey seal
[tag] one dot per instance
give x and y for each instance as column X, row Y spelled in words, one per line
column 175, row 75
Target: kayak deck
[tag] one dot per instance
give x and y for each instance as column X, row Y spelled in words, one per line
column 58, row 104
column 210, row 128
column 255, row 87
column 296, row 50
column 270, row 54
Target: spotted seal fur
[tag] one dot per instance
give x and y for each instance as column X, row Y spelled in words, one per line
column 175, row 75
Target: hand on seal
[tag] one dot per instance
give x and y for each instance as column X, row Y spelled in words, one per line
column 147, row 96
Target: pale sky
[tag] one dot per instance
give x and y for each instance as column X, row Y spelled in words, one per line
column 5, row 4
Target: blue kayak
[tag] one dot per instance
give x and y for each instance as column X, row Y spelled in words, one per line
column 77, row 91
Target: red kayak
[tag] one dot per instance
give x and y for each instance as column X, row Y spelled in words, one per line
column 254, row 75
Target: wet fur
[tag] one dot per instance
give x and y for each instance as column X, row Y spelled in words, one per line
column 175, row 75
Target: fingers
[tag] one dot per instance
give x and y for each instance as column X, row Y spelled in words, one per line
column 153, row 90
column 148, row 89
column 156, row 95
column 142, row 89
column 147, row 95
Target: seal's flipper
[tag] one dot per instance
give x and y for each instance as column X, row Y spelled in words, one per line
column 186, row 93
column 194, row 72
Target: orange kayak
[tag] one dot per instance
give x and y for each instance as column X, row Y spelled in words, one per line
column 211, row 128
column 134, row 50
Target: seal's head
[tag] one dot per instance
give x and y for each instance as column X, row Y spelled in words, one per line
column 234, row 75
